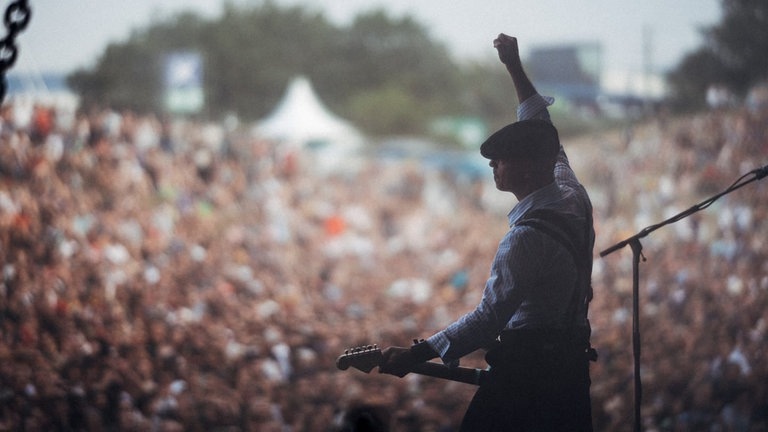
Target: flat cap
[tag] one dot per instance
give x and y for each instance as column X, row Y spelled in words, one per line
column 530, row 139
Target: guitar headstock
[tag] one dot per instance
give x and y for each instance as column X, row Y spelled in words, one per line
column 363, row 358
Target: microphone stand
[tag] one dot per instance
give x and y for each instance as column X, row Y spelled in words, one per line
column 637, row 253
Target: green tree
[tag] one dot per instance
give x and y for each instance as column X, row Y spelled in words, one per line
column 741, row 41
column 398, row 75
column 386, row 74
column 488, row 93
column 253, row 53
column 128, row 75
column 690, row 80
column 734, row 54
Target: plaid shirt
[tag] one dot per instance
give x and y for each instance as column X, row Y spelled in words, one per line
column 532, row 276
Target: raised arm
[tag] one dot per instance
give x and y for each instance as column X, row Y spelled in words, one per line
column 509, row 54
column 532, row 104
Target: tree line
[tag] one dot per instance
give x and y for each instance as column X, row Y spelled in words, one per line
column 734, row 55
column 381, row 72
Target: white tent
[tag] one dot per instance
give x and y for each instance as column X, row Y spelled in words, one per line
column 301, row 121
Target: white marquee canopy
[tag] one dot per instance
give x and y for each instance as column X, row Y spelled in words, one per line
column 300, row 119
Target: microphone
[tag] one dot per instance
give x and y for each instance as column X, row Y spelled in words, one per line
column 761, row 172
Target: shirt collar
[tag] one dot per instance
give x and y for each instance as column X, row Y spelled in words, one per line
column 546, row 195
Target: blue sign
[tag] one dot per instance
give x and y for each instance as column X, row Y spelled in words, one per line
column 184, row 82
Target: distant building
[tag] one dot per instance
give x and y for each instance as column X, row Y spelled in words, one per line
column 568, row 71
column 575, row 74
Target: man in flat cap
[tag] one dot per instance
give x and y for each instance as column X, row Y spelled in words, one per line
column 532, row 317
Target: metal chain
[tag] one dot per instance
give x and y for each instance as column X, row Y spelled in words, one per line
column 16, row 18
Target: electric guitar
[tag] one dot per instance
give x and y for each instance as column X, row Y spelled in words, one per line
column 365, row 358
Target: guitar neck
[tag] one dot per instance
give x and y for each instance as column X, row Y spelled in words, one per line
column 365, row 358
column 460, row 374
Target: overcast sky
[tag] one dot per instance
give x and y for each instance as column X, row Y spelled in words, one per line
column 66, row 34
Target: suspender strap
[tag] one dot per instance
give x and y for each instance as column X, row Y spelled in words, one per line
column 556, row 226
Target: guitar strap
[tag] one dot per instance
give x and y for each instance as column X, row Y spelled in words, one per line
column 557, row 226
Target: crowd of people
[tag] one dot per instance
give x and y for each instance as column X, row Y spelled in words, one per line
column 168, row 275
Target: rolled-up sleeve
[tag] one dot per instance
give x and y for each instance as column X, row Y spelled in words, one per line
column 512, row 276
column 535, row 107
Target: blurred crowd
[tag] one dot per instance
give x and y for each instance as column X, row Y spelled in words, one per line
column 166, row 275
